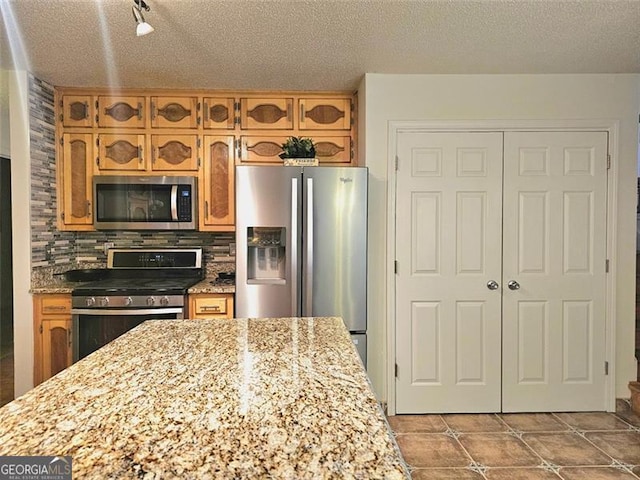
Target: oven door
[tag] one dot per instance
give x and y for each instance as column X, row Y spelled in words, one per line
column 94, row 327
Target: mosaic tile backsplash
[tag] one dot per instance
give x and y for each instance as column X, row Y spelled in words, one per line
column 53, row 248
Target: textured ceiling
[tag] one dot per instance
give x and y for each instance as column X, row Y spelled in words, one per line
column 316, row 44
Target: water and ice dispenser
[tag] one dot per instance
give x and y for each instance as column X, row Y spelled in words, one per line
column 266, row 255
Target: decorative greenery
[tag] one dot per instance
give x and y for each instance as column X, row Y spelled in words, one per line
column 298, row 147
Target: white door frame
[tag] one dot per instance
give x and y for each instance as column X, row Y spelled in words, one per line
column 609, row 126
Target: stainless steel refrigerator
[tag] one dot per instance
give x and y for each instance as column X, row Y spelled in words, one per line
column 301, row 244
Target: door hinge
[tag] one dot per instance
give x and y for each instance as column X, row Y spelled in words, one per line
column 40, row 328
column 199, row 143
column 62, row 216
column 396, row 163
column 606, row 265
column 396, row 370
column 606, row 368
column 395, row 267
column 608, row 161
column 61, row 140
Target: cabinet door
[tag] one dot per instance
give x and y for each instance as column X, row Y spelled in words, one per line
column 77, row 111
column 120, row 152
column 219, row 112
column 218, row 191
column 77, row 170
column 121, row 111
column 325, row 113
column 261, row 149
column 174, row 152
column 174, row 112
column 211, row 306
column 57, row 353
column 266, row 113
column 333, row 149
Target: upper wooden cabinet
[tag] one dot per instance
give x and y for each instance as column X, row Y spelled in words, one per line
column 217, row 193
column 324, row 113
column 267, row 149
column 120, row 152
column 219, row 112
column 174, row 152
column 266, row 113
column 77, row 111
column 175, row 112
column 121, row 111
column 75, row 181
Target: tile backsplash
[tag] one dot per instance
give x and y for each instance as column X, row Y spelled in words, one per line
column 50, row 246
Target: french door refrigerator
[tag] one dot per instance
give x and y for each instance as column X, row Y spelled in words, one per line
column 301, row 244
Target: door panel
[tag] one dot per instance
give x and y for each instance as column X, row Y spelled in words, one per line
column 555, row 248
column 448, row 321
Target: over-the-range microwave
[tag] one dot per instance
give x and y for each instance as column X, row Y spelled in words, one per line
column 144, row 203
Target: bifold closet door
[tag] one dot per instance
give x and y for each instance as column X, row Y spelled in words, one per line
column 554, row 204
column 448, row 285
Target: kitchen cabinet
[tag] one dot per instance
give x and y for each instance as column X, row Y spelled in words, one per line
column 75, row 182
column 77, row 111
column 175, row 112
column 266, row 113
column 334, row 149
column 175, row 153
column 211, row 305
column 324, row 113
column 52, row 335
column 219, row 113
column 120, row 153
column 217, row 192
column 266, row 149
column 122, row 112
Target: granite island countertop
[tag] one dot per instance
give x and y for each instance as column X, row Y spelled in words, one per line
column 221, row 398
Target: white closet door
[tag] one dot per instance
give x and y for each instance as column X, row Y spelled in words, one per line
column 448, row 247
column 555, row 186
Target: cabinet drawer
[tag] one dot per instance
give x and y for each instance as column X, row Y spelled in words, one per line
column 210, row 306
column 55, row 305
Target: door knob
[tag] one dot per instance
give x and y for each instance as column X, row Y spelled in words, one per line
column 513, row 285
column 492, row 285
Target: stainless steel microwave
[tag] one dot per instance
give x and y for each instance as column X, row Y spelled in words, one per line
column 144, row 203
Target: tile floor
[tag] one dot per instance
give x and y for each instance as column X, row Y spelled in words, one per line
column 569, row 446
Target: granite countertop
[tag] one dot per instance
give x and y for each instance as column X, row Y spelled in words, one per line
column 220, row 398
column 59, row 285
column 210, row 285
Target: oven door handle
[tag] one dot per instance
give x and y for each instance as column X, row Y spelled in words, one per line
column 130, row 311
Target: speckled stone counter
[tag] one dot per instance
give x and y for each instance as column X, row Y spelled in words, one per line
column 211, row 285
column 257, row 398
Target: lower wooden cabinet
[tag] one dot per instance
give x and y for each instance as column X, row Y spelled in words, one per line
column 211, row 305
column 53, row 335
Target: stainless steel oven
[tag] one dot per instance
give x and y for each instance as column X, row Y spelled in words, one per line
column 141, row 285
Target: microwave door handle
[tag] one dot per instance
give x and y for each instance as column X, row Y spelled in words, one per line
column 174, row 203
column 308, row 274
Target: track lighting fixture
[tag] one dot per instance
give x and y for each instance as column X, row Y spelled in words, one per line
column 143, row 27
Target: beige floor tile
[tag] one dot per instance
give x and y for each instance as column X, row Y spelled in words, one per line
column 417, row 424
column 565, row 449
column 533, row 422
column 623, row 446
column 444, row 474
column 625, row 412
column 432, row 450
column 594, row 473
column 474, row 423
column 593, row 421
column 498, row 450
column 520, row 474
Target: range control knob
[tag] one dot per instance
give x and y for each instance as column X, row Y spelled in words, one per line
column 127, row 301
column 151, row 301
column 164, row 301
column 103, row 302
column 90, row 301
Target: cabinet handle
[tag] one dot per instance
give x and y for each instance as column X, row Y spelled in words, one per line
column 55, row 308
column 207, row 308
column 289, row 113
column 88, row 208
column 139, row 111
column 153, row 111
column 86, row 110
column 69, row 337
column 206, row 112
column 153, row 155
column 206, row 209
column 302, row 112
column 140, row 153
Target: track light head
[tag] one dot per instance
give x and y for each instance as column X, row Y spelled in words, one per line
column 142, row 27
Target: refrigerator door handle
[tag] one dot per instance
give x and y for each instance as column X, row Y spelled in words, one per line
column 295, row 311
column 308, row 267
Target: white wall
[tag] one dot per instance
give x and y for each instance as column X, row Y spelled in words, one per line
column 385, row 98
column 5, row 140
column 21, row 229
